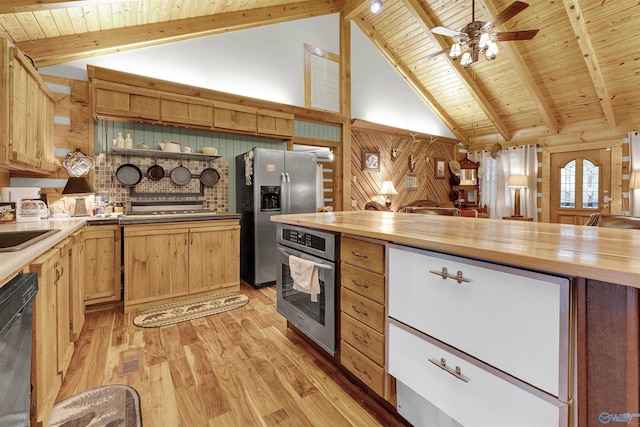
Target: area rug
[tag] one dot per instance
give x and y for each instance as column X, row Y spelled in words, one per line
column 169, row 314
column 109, row 405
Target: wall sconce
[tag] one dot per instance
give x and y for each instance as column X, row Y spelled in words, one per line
column 517, row 181
column 388, row 190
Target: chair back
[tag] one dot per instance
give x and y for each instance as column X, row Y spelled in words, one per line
column 619, row 221
column 375, row 206
column 434, row 211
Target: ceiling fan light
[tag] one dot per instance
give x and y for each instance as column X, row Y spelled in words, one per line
column 492, row 51
column 376, row 5
column 454, row 53
column 466, row 59
column 485, row 41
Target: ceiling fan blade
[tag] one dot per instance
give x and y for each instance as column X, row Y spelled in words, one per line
column 511, row 11
column 445, row 31
column 505, row 36
column 433, row 55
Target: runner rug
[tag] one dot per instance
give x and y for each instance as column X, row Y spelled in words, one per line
column 169, row 314
column 110, row 405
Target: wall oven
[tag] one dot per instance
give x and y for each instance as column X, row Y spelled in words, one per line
column 316, row 319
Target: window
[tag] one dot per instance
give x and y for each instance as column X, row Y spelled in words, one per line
column 579, row 184
column 321, row 79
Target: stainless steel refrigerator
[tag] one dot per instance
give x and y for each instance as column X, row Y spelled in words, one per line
column 270, row 182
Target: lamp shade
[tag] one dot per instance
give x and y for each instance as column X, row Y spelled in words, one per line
column 78, row 185
column 634, row 180
column 388, row 188
column 517, row 181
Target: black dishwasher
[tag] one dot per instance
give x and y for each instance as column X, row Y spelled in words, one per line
column 16, row 297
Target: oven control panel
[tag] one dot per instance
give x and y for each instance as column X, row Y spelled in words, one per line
column 305, row 239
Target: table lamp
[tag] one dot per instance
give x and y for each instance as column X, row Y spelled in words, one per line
column 80, row 186
column 388, row 190
column 517, row 181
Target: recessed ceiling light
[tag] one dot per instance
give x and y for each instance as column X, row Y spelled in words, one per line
column 376, row 5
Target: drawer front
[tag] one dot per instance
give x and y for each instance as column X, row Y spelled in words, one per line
column 366, row 340
column 363, row 309
column 514, row 320
column 364, row 282
column 485, row 400
column 363, row 368
column 360, row 253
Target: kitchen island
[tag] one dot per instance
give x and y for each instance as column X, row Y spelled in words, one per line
column 592, row 274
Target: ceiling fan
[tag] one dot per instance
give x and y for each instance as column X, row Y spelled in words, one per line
column 476, row 37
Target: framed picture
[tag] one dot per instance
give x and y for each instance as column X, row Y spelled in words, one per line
column 439, row 165
column 371, row 161
column 411, row 181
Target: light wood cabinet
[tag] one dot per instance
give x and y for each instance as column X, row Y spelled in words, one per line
column 76, row 285
column 26, row 119
column 186, row 110
column 180, row 261
column 52, row 347
column 275, row 123
column 234, row 117
column 362, row 317
column 118, row 100
column 101, row 264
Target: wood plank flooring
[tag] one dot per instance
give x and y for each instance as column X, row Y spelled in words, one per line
column 238, row 368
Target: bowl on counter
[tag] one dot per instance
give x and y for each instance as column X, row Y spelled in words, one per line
column 211, row 151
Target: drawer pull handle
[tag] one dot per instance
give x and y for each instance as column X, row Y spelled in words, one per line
column 359, row 338
column 456, row 372
column 362, row 313
column 362, row 371
column 445, row 275
column 362, row 285
column 359, row 255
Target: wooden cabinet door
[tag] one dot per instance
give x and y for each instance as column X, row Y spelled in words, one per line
column 101, row 264
column 155, row 264
column 45, row 377
column 122, row 101
column 76, row 285
column 214, row 258
column 235, row 117
column 275, row 123
column 187, row 111
column 63, row 309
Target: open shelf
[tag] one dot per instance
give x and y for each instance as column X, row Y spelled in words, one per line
column 160, row 153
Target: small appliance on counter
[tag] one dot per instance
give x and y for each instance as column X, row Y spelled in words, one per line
column 31, row 210
column 13, row 194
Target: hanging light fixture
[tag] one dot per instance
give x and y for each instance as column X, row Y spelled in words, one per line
column 376, row 5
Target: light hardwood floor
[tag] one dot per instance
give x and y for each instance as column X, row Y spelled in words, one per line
column 238, row 368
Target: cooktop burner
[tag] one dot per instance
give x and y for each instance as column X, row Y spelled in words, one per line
column 172, row 212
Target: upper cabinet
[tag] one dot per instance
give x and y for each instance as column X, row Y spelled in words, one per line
column 137, row 102
column 26, row 119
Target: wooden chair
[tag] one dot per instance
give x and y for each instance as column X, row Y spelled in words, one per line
column 434, row 211
column 375, row 206
column 469, row 213
column 419, row 204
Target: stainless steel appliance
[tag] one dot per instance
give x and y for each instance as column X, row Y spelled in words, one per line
column 16, row 297
column 269, row 182
column 316, row 319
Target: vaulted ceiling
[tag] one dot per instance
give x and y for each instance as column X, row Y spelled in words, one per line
column 578, row 80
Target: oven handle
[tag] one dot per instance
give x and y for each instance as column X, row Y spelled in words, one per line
column 320, row 266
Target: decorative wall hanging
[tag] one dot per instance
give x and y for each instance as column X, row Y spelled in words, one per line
column 371, row 161
column 411, row 181
column 439, row 171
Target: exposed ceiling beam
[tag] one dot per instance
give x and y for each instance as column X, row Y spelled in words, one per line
column 525, row 76
column 354, row 8
column 589, row 54
column 58, row 50
column 17, row 6
column 421, row 16
column 411, row 80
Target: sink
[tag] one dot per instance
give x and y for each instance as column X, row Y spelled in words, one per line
column 11, row 241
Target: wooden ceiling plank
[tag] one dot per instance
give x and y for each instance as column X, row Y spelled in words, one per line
column 354, row 8
column 410, row 78
column 525, row 76
column 421, row 16
column 18, row 6
column 86, row 45
column 574, row 12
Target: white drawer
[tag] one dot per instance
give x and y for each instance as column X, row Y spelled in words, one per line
column 514, row 320
column 485, row 400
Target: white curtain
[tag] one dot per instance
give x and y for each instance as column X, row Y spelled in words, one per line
column 634, row 151
column 494, row 175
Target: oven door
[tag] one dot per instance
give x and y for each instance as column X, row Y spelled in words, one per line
column 315, row 319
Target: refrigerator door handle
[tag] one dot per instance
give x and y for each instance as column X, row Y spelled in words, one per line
column 288, row 192
column 283, row 193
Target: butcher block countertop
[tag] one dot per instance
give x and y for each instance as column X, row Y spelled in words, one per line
column 607, row 254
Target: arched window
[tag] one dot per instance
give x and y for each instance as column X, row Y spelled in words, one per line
column 579, row 184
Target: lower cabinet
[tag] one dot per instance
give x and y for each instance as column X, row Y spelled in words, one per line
column 101, row 267
column 52, row 346
column 180, row 261
column 76, row 283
